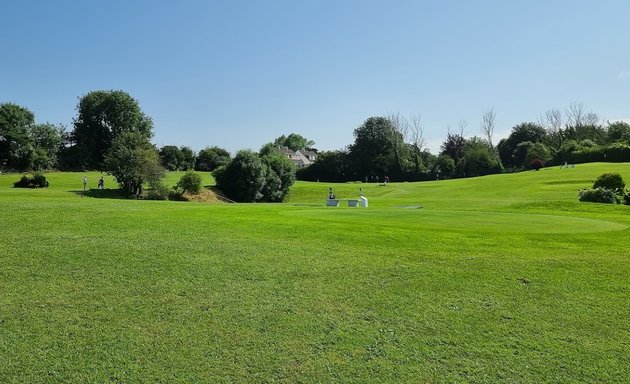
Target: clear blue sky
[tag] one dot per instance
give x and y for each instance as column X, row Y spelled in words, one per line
column 238, row 74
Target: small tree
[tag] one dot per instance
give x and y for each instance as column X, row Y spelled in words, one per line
column 133, row 161
column 190, row 182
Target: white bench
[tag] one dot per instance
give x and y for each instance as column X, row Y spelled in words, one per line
column 335, row 202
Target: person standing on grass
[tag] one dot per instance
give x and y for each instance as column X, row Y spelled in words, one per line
column 84, row 183
column 101, row 183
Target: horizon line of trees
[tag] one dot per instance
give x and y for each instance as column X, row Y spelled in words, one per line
column 393, row 146
column 101, row 117
column 112, row 134
column 390, row 146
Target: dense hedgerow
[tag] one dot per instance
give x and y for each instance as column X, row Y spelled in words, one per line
column 614, row 153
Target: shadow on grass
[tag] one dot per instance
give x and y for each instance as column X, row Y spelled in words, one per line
column 101, row 193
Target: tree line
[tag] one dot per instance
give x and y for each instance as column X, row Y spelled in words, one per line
column 392, row 146
column 111, row 133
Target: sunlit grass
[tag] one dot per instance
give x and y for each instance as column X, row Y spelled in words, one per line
column 504, row 278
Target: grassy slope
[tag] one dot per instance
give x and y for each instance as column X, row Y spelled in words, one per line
column 500, row 278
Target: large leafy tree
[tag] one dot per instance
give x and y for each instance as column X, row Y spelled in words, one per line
column 102, row 116
column 16, row 149
column 188, row 158
column 523, row 132
column 454, row 146
column 444, row 166
column 294, row 141
column 47, row 140
column 377, row 149
column 209, row 159
column 243, row 178
column 478, row 159
column 171, row 157
column 618, row 131
column 251, row 177
column 134, row 161
column 330, row 166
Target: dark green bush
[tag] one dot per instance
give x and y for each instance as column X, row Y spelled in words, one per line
column 612, row 181
column 614, row 153
column 24, row 182
column 626, row 198
column 190, row 182
column 598, row 195
column 618, row 153
column 37, row 181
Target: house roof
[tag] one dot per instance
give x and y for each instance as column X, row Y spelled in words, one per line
column 308, row 153
column 285, row 150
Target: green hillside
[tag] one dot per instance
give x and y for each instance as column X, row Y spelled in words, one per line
column 504, row 278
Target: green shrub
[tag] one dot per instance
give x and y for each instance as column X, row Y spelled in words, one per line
column 37, row 181
column 24, row 182
column 190, row 182
column 598, row 195
column 626, row 198
column 612, row 181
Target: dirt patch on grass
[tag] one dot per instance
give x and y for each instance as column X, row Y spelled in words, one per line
column 211, row 195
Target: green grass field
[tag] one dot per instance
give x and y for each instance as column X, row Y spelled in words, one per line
column 504, row 278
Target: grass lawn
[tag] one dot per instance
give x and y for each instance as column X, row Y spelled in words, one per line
column 504, row 278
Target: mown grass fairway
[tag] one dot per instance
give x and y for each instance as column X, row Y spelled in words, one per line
column 505, row 278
